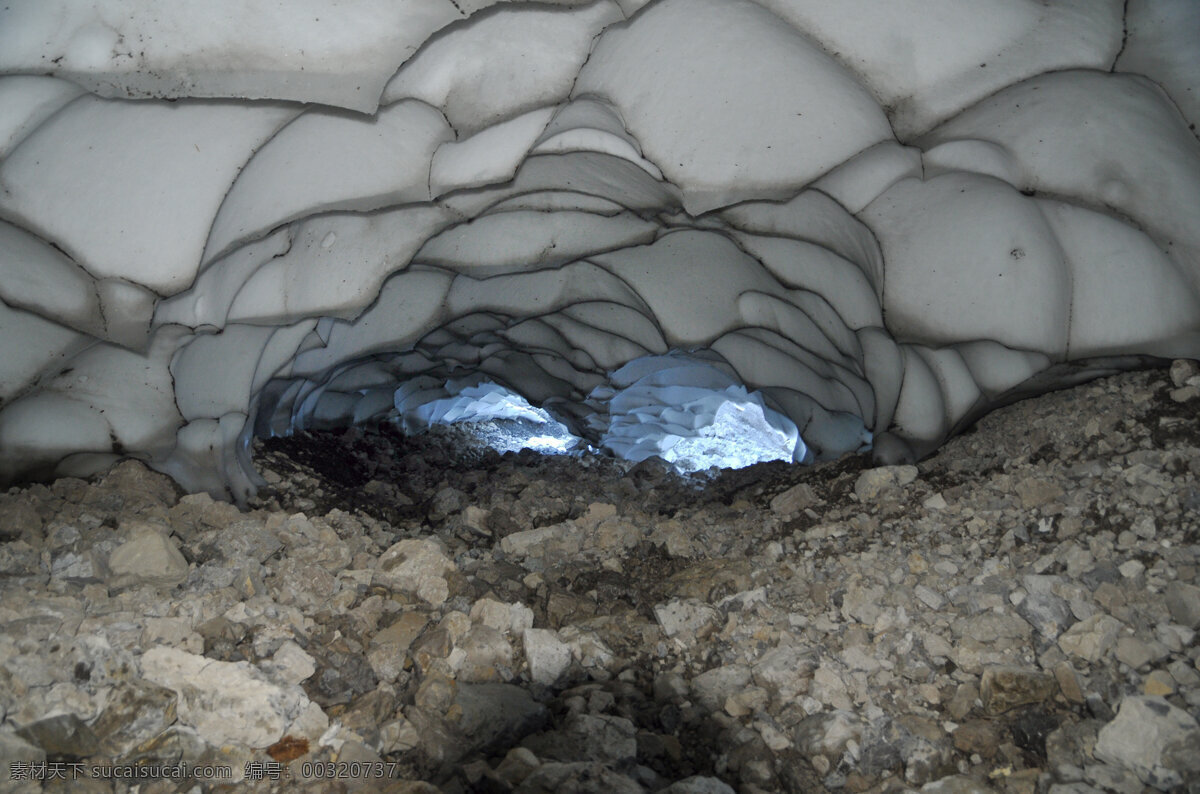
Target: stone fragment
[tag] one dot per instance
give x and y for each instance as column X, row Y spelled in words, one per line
column 929, row 597
column 711, row 688
column 517, row 765
column 389, row 646
column 18, row 519
column 1183, row 602
column 957, row 784
column 963, row 701
column 872, row 482
column 1186, row 394
column 1106, row 777
column 548, row 658
column 862, row 603
column 1004, row 688
column 583, row 777
column 1091, row 639
column 1068, row 682
column 232, row 702
column 1136, row 653
column 1183, row 370
column 828, row 733
column 555, row 542
column 1154, row 739
column 507, row 618
column 290, row 664
column 63, row 736
column 15, row 751
column 402, row 631
column 148, row 557
column 1047, row 613
column 1160, row 683
column 136, row 712
column 750, row 700
column 607, row 738
column 689, row 619
column 483, row 654
column 793, row 500
column 247, row 540
column 1036, row 492
column 698, row 785
column 935, row 502
column 977, row 736
column 417, row 566
column 492, row 715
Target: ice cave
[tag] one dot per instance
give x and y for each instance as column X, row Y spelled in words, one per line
column 865, row 223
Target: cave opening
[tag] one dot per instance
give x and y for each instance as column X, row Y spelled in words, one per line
column 688, row 410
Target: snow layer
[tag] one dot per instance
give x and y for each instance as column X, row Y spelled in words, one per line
column 865, row 221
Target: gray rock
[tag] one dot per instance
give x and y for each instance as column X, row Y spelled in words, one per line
column 247, row 540
column 579, row 778
column 19, row 518
column 1047, row 613
column 1154, row 739
column 598, row 738
column 551, row 543
column 1138, row 654
column 957, row 784
column 608, row 738
column 1036, row 491
column 711, row 688
column 1183, row 370
column 929, row 597
column 793, row 500
column 517, row 765
column 698, row 785
column 872, row 482
column 495, row 714
column 828, row 733
column 63, row 736
column 148, row 557
column 1113, row 778
column 15, row 750
column 136, row 712
column 1183, row 601
column 1091, row 639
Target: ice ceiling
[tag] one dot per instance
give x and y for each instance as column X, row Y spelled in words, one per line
column 220, row 217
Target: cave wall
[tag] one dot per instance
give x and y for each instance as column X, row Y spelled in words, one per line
column 885, row 216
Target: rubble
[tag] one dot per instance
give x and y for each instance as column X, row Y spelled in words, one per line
column 1017, row 613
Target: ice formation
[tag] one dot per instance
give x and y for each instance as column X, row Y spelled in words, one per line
column 883, row 216
column 499, row 418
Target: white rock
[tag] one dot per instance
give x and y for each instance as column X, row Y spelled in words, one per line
column 291, row 664
column 548, row 658
column 418, row 566
column 689, row 619
column 872, row 482
column 232, row 702
column 148, row 557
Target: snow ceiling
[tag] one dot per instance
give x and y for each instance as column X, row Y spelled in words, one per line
column 221, row 217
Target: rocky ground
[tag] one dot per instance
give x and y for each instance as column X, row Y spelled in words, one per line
column 1016, row 614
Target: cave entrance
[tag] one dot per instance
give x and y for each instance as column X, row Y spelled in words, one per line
column 486, row 414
